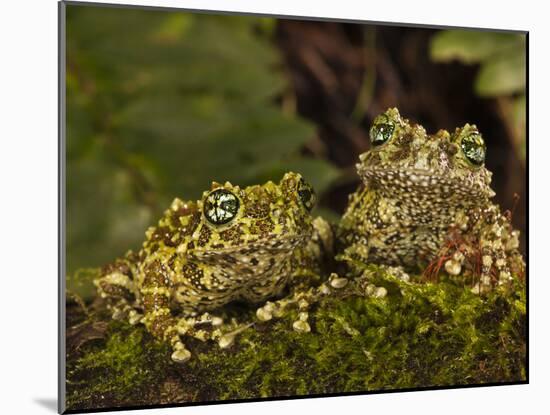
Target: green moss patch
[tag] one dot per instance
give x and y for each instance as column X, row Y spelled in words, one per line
column 419, row 335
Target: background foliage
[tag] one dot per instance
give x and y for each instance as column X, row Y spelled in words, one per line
column 502, row 71
column 161, row 104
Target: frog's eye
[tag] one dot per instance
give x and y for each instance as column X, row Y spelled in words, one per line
column 306, row 194
column 474, row 148
column 381, row 132
column 221, row 207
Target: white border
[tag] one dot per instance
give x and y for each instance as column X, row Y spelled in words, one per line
column 28, row 166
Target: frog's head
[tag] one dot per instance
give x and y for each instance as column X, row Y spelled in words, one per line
column 254, row 221
column 405, row 159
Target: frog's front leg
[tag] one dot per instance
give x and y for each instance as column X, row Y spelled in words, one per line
column 498, row 250
column 156, row 295
column 118, row 287
column 157, row 292
column 302, row 273
column 304, row 297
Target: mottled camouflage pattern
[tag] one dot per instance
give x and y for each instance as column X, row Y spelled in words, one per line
column 420, row 190
column 190, row 265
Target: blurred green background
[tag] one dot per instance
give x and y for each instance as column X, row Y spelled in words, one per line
column 159, row 104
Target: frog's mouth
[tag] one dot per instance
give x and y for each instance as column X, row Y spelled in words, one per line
column 427, row 183
column 265, row 246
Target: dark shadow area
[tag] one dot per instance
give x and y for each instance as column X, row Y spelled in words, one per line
column 48, row 403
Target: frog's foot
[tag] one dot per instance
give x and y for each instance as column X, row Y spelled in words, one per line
column 301, row 325
column 500, row 258
column 180, row 353
column 397, row 271
column 492, row 263
column 122, row 310
column 226, row 339
column 120, row 294
column 204, row 327
column 115, row 285
column 302, row 300
column 496, row 262
column 278, row 309
column 363, row 285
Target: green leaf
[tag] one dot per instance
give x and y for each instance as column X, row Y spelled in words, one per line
column 104, row 220
column 174, row 28
column 81, row 283
column 505, row 74
column 469, row 46
column 519, row 120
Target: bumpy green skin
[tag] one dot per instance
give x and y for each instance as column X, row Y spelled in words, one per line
column 423, row 199
column 190, row 264
column 418, row 335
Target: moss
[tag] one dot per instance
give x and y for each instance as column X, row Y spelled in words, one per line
column 116, row 371
column 419, row 335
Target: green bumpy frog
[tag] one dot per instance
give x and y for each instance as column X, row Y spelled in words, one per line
column 245, row 244
column 425, row 201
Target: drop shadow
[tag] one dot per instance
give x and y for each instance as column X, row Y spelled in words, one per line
column 48, row 403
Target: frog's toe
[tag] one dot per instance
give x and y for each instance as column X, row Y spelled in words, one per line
column 301, row 325
column 134, row 317
column 226, row 340
column 120, row 311
column 118, row 314
column 453, row 267
column 265, row 313
column 337, row 282
column 180, row 354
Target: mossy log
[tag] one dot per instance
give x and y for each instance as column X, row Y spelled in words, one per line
column 418, row 335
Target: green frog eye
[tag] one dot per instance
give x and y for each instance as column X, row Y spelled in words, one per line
column 474, row 148
column 306, row 194
column 221, row 207
column 381, row 132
